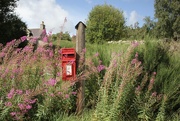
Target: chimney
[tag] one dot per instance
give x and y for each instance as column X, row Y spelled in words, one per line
column 42, row 26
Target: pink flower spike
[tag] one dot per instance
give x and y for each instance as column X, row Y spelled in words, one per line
column 97, row 54
column 50, row 44
column 152, row 81
column 67, row 96
column 58, row 74
column 135, row 43
column 19, row 92
column 74, row 93
column 23, row 38
column 100, row 68
column 154, row 94
column 13, row 113
column 10, row 94
column 59, row 51
column 154, row 73
column 27, row 92
column 45, row 39
column 52, row 95
column 51, row 54
column 32, row 101
column 59, row 93
column 133, row 61
column 28, row 107
column 2, row 54
column 21, row 106
column 138, row 88
column 52, row 82
column 136, row 55
column 8, row 104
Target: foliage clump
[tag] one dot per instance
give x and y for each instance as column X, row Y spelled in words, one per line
column 105, row 23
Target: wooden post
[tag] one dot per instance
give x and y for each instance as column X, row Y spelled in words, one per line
column 80, row 45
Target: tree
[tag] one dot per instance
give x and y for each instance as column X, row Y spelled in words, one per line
column 105, row 23
column 168, row 18
column 66, row 36
column 148, row 26
column 63, row 36
column 11, row 26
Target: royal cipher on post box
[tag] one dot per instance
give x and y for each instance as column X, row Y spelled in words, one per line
column 68, row 56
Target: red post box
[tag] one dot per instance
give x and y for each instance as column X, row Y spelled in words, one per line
column 68, row 56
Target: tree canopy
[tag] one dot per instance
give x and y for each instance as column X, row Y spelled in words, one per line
column 105, row 23
column 11, row 26
column 168, row 18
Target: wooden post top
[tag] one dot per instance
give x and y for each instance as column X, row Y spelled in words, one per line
column 76, row 27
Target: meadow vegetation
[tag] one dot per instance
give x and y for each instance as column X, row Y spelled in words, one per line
column 122, row 82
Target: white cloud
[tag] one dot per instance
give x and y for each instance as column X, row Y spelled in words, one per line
column 33, row 12
column 133, row 17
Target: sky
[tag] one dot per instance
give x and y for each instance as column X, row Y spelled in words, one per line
column 55, row 12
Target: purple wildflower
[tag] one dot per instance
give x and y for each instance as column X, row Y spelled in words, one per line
column 67, row 96
column 136, row 55
column 100, row 68
column 138, row 88
column 23, row 38
column 50, row 44
column 51, row 54
column 8, row 104
column 13, row 113
column 19, row 92
column 134, row 61
column 135, row 43
column 152, row 81
column 59, row 51
column 10, row 94
column 51, row 82
column 45, row 39
column 2, row 54
column 21, row 106
column 74, row 93
column 28, row 107
column 58, row 74
column 52, row 95
column 96, row 54
column 154, row 94
column 59, row 93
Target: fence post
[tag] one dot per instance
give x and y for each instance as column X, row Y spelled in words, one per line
column 80, row 46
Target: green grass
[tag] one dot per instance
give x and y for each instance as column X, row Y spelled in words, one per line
column 64, row 44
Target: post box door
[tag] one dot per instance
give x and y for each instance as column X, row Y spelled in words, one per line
column 69, row 69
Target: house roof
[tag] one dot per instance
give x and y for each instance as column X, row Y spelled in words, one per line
column 36, row 32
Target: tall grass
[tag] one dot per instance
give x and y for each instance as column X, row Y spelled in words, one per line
column 145, row 93
column 117, row 85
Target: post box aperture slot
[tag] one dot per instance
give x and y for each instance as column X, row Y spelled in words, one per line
column 68, row 55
